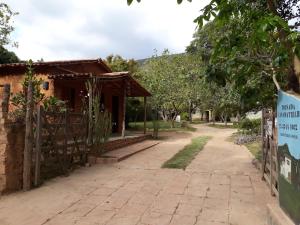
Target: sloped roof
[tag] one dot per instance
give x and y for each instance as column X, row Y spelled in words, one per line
column 12, row 67
column 136, row 89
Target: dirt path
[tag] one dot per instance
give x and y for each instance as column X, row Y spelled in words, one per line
column 219, row 187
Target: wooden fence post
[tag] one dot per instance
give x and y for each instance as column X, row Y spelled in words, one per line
column 38, row 143
column 65, row 148
column 145, row 115
column 263, row 142
column 90, row 116
column 28, row 139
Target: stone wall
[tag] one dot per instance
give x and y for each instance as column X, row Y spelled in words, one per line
column 11, row 150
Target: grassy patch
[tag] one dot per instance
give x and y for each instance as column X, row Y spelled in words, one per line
column 185, row 156
column 255, row 149
column 197, row 121
column 222, row 126
column 163, row 126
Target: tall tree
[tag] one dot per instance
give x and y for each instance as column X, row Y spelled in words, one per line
column 7, row 56
column 118, row 64
column 248, row 70
column 6, row 28
column 164, row 77
column 172, row 80
column 259, row 22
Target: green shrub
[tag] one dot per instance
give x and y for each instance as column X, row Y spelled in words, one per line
column 250, row 126
column 184, row 116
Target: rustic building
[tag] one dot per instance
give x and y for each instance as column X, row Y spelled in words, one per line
column 66, row 80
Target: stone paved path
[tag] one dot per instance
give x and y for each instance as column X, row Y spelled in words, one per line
column 220, row 187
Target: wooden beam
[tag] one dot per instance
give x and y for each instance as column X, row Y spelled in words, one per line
column 145, row 114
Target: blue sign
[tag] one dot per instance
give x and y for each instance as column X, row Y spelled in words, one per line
column 288, row 117
column 288, row 129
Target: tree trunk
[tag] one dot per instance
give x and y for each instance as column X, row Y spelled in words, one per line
column 190, row 111
column 173, row 121
column 225, row 120
column 28, row 139
column 238, row 117
column 163, row 116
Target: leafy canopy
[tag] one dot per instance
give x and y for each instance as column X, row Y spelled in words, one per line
column 6, row 15
column 261, row 26
column 172, row 80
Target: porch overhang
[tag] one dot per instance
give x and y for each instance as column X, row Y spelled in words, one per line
column 119, row 79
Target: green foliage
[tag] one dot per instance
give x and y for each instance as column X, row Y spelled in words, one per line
column 7, row 56
column 255, row 149
column 185, row 156
column 134, row 108
column 231, row 60
column 256, row 43
column 155, row 128
column 119, row 64
column 19, row 100
column 6, row 15
column 184, row 116
column 101, row 125
column 250, row 126
column 247, row 44
column 99, row 120
column 222, row 126
column 53, row 104
column 172, row 80
column 160, row 124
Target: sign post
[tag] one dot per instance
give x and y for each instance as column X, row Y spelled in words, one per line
column 288, row 116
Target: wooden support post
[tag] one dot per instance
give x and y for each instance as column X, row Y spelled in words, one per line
column 28, row 140
column 90, row 116
column 124, row 110
column 145, row 114
column 38, row 143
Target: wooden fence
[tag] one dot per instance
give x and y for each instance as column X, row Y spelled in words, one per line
column 269, row 150
column 60, row 142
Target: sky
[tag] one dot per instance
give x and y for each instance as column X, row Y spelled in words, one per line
column 77, row 29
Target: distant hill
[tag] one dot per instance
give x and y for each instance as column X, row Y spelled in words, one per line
column 142, row 61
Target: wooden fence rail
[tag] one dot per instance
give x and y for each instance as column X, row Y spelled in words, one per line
column 60, row 142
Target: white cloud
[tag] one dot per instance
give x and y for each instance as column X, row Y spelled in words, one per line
column 70, row 29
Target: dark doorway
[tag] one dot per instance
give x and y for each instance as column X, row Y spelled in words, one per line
column 115, row 114
column 207, row 116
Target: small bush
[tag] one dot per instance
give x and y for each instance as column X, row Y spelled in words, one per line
column 250, row 126
column 184, row 116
